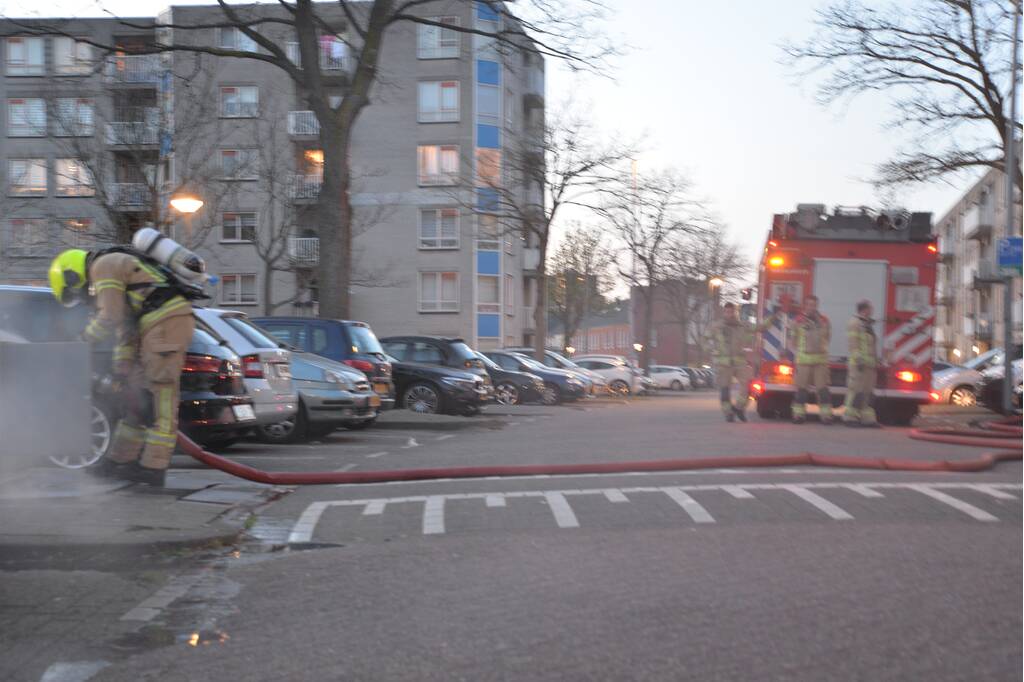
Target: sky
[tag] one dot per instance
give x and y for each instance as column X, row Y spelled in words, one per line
column 703, row 83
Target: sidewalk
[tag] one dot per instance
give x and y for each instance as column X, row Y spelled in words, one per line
column 53, row 516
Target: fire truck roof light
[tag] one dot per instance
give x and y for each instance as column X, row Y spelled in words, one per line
column 773, row 243
column 776, row 261
column 933, row 248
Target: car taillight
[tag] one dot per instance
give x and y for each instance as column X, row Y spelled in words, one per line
column 361, row 365
column 252, row 368
column 757, row 388
column 201, row 363
column 907, row 376
column 934, row 396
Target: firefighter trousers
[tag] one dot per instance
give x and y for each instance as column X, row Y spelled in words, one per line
column 808, row 375
column 860, row 386
column 148, row 433
column 724, row 375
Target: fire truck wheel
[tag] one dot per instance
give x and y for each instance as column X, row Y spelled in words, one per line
column 766, row 408
column 896, row 413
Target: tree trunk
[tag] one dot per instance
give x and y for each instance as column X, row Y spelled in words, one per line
column 645, row 337
column 684, row 334
column 268, row 290
column 540, row 312
column 333, row 213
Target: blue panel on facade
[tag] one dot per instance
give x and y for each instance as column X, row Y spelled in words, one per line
column 487, row 263
column 488, row 325
column 488, row 136
column 487, row 199
column 487, row 72
column 485, row 12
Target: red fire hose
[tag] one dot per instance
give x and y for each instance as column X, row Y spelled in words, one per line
column 1002, row 434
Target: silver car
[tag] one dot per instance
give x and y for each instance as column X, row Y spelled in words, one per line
column 266, row 367
column 958, row 385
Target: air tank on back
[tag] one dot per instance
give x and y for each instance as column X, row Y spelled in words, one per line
column 172, row 255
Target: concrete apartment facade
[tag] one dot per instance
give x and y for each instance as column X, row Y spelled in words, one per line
column 236, row 133
column 969, row 315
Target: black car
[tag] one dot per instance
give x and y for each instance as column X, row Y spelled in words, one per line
column 559, row 385
column 696, row 379
column 512, row 387
column 434, row 350
column 433, row 389
column 348, row 341
column 990, row 389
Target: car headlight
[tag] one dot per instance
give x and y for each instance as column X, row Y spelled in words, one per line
column 338, row 379
column 573, row 381
column 469, row 384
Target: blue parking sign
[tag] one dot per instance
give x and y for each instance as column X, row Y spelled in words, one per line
column 1010, row 254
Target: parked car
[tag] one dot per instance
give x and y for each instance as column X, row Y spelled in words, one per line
column 214, row 408
column 707, row 377
column 990, row 387
column 436, row 389
column 435, row 350
column 671, row 377
column 330, row 395
column 621, row 378
column 596, row 384
column 696, row 381
column 346, row 341
column 958, row 385
column 559, row 385
column 266, row 367
column 512, row 387
column 938, row 366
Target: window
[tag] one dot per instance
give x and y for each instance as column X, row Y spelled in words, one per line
column 238, row 227
column 488, row 104
column 27, row 177
column 73, row 179
column 438, row 164
column 238, row 289
column 333, row 53
column 510, row 295
column 72, row 57
column 434, row 42
column 74, row 117
column 426, row 353
column 439, row 292
column 488, row 167
column 239, row 164
column 487, row 300
column 232, row 38
column 438, row 101
column 26, row 117
column 239, row 102
column 77, row 233
column 487, row 232
column 439, row 228
column 25, row 57
column 27, row 238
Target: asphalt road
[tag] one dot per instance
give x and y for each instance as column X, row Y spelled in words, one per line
column 803, row 573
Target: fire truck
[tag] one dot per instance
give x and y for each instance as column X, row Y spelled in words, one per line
column 886, row 257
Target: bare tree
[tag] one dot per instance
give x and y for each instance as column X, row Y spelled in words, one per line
column 356, row 32
column 579, row 278
column 647, row 214
column 945, row 62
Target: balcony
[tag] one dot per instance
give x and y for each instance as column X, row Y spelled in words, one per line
column 305, row 186
column 133, row 133
column 130, row 196
column 135, row 68
column 533, row 98
column 978, row 222
column 333, row 59
column 986, row 275
column 438, row 179
column 531, row 258
column 303, row 124
column 304, row 251
column 526, row 317
column 983, row 327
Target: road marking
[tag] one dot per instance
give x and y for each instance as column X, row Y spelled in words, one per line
column 969, row 509
column 615, row 495
column 495, row 500
column 994, row 492
column 816, row 500
column 864, row 490
column 287, row 457
column 176, row 588
column 691, row 506
column 565, row 517
column 347, row 467
column 513, row 423
column 411, row 444
column 79, row 671
column 374, row 507
column 303, row 530
column 445, row 436
column 433, row 515
column 374, row 455
column 738, row 492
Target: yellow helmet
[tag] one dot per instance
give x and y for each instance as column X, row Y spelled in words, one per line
column 67, row 276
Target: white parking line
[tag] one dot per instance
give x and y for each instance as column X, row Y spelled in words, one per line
column 738, row 492
column 615, row 495
column 691, row 506
column 864, row 490
column 816, row 500
column 374, row 455
column 303, row 530
column 433, row 515
column 445, row 436
column 374, row 508
column 410, row 444
column 176, row 588
column 565, row 517
column 960, row 505
column 347, row 467
column 994, row 492
column 495, row 500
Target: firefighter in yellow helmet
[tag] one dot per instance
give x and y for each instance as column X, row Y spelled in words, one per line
column 152, row 324
column 731, row 337
column 813, row 334
column 862, row 368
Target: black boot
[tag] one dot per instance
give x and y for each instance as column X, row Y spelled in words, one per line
column 740, row 414
column 137, row 473
column 730, row 417
column 106, row 468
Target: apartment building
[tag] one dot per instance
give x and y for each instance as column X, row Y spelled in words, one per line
column 429, row 256
column 969, row 314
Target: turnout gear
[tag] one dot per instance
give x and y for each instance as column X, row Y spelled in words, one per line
column 861, row 372
column 813, row 334
column 730, row 340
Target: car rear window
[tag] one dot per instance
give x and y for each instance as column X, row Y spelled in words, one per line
column 363, row 340
column 461, row 351
column 250, row 333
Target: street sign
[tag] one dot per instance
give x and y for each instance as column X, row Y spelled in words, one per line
column 1009, row 254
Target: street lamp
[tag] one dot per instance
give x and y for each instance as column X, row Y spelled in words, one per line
column 638, row 347
column 975, row 350
column 715, row 282
column 570, row 350
column 957, row 353
column 187, row 205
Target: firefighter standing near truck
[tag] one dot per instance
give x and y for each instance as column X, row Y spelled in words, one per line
column 862, row 368
column 138, row 303
column 813, row 334
column 731, row 338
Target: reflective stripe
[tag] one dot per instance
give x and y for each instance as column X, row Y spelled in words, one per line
column 158, row 438
column 103, row 284
column 172, row 307
column 99, row 329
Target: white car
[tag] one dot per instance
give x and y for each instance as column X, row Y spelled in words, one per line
column 621, row 378
column 668, row 376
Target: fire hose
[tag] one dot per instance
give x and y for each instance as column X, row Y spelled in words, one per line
column 1001, row 434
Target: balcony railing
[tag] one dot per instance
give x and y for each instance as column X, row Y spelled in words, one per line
column 303, row 123
column 441, row 116
column 305, row 186
column 526, row 316
column 983, row 326
column 130, row 195
column 450, row 50
column 328, row 62
column 986, row 275
column 978, row 221
column 304, row 250
column 531, row 258
column 438, row 179
column 133, row 133
column 135, row 68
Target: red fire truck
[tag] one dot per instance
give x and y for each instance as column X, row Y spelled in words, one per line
column 886, row 257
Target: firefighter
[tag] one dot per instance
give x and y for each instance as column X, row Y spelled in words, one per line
column 862, row 368
column 731, row 338
column 813, row 334
column 153, row 324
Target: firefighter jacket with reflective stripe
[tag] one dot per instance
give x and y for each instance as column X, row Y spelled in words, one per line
column 121, row 283
column 813, row 334
column 860, row 332
column 731, row 339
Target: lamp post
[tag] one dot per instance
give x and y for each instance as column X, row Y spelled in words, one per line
column 187, row 205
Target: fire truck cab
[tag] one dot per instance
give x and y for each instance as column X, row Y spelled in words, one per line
column 886, row 257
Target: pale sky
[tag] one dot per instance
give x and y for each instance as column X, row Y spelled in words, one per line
column 702, row 81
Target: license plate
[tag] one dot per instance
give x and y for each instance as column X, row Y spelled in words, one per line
column 284, row 370
column 374, row 401
column 380, row 388
column 243, row 413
